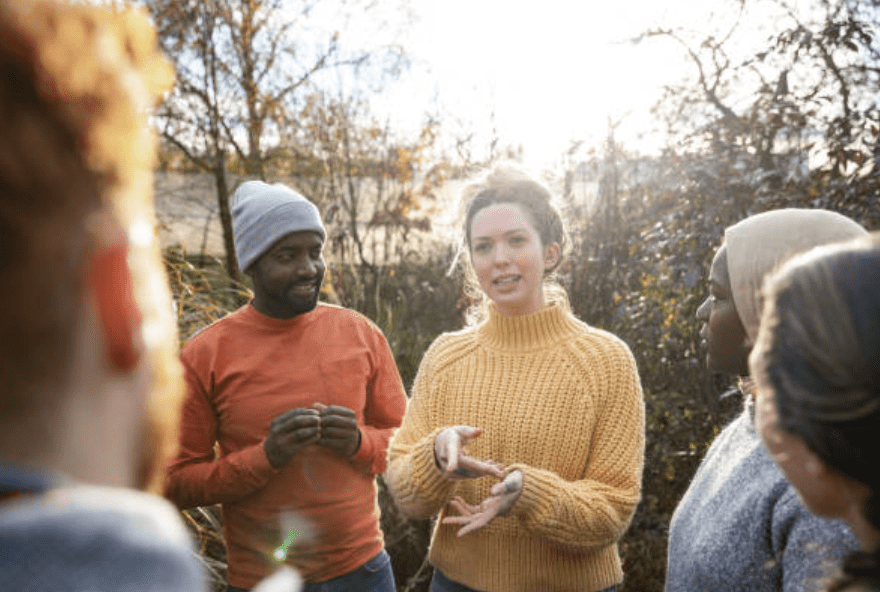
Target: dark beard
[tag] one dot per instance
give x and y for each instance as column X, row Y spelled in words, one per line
column 295, row 306
column 301, row 306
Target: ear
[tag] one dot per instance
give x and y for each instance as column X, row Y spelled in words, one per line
column 118, row 314
column 551, row 256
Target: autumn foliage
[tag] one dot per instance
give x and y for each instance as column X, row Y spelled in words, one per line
column 746, row 134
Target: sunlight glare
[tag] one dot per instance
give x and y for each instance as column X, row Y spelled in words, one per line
column 540, row 75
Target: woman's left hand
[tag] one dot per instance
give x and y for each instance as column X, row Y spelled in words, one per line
column 501, row 498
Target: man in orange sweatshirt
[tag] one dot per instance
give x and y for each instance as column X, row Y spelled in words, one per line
column 300, row 398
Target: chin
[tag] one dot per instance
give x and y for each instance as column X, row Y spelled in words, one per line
column 820, row 502
column 509, row 300
column 303, row 306
column 719, row 367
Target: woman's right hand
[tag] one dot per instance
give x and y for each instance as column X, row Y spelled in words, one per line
column 448, row 446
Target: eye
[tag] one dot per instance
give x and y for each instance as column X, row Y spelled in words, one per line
column 517, row 239
column 481, row 247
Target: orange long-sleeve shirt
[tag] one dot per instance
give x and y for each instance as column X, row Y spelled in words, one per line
column 242, row 372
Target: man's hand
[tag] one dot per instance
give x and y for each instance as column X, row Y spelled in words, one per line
column 454, row 463
column 339, row 429
column 290, row 433
column 501, row 498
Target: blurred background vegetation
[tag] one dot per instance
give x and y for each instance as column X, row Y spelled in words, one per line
column 793, row 121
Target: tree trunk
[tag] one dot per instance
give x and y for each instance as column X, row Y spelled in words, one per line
column 226, row 218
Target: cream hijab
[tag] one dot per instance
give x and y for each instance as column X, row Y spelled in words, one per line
column 760, row 243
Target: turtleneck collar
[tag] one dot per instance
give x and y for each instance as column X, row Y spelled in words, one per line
column 527, row 332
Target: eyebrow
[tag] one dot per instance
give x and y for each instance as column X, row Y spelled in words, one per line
column 505, row 233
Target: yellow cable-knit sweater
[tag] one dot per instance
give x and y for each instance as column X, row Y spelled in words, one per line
column 557, row 399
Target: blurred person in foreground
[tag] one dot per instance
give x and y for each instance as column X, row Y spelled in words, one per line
column 816, row 366
column 549, row 409
column 301, row 398
column 89, row 381
column 740, row 525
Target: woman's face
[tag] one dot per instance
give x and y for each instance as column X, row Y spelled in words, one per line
column 509, row 259
column 819, row 487
column 723, row 335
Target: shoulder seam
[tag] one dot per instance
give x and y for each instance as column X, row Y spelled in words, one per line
column 452, row 346
column 210, row 327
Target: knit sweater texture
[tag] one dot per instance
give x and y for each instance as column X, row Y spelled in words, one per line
column 241, row 373
column 741, row 527
column 559, row 401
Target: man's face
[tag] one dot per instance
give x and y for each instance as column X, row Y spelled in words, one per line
column 287, row 277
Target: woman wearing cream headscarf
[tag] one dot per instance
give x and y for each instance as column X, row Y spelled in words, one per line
column 740, row 525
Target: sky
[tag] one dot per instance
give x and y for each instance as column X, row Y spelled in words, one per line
column 541, row 74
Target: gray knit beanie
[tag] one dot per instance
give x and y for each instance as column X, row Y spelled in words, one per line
column 263, row 213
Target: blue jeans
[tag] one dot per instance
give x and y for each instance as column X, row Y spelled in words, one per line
column 373, row 576
column 441, row 583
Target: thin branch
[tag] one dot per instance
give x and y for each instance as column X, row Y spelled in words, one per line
column 197, row 160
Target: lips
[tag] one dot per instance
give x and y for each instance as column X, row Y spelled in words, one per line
column 304, row 289
column 506, row 280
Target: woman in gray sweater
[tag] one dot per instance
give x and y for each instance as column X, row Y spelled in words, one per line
column 740, row 526
column 817, row 367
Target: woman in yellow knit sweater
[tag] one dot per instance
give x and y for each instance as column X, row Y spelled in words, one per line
column 525, row 430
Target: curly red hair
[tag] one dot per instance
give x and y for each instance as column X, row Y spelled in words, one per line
column 76, row 85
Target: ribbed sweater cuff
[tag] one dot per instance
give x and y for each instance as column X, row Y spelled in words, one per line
column 423, row 489
column 427, row 476
column 537, row 492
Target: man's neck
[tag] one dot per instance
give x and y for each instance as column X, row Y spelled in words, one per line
column 280, row 313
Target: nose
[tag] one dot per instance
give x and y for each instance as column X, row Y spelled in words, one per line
column 307, row 267
column 500, row 256
column 703, row 311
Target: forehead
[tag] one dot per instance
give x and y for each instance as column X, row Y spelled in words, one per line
column 301, row 239
column 718, row 273
column 498, row 219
